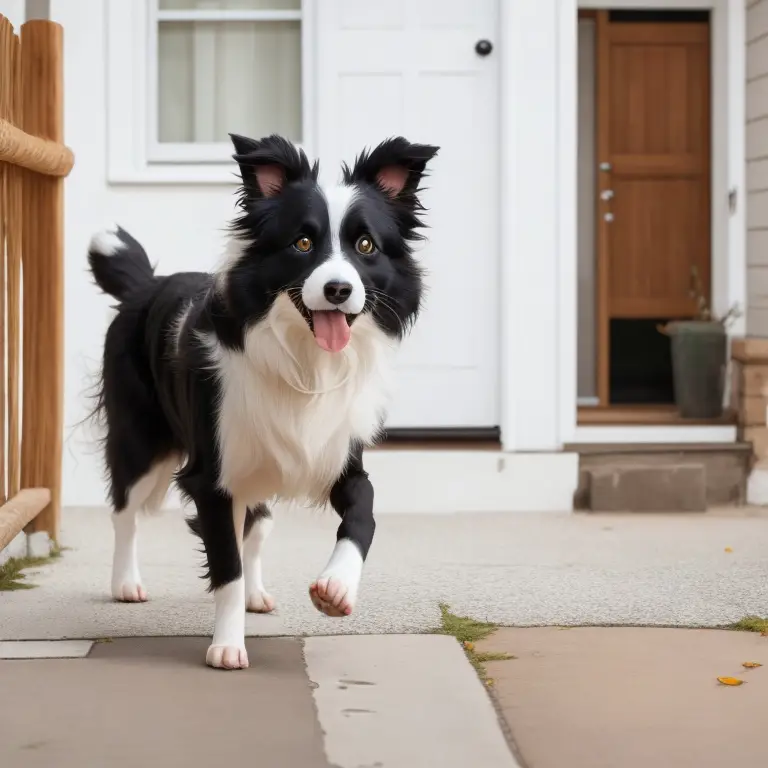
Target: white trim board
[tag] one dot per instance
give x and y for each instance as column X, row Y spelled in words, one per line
column 223, row 14
column 654, row 434
column 534, row 365
column 472, row 481
column 440, row 482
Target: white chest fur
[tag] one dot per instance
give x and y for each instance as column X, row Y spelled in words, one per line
column 289, row 409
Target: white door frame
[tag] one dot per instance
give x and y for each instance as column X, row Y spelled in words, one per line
column 538, row 191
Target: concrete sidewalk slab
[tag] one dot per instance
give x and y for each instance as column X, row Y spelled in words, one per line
column 153, row 702
column 513, row 569
column 631, row 697
column 409, row 701
column 402, row 701
column 45, row 649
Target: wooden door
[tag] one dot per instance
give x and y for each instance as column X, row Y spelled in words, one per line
column 653, row 150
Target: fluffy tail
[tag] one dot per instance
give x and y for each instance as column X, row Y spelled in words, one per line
column 119, row 263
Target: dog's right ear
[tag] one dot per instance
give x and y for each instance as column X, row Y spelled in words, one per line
column 395, row 167
column 268, row 164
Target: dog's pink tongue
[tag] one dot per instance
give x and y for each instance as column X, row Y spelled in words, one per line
column 331, row 330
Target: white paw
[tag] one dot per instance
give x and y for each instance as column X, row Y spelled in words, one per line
column 227, row 657
column 129, row 591
column 334, row 593
column 332, row 596
column 259, row 601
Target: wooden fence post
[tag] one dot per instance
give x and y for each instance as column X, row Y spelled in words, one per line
column 8, row 88
column 13, row 288
column 42, row 115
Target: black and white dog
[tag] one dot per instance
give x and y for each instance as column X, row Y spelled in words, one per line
column 265, row 379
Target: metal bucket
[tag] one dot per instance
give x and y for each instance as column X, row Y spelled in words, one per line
column 699, row 362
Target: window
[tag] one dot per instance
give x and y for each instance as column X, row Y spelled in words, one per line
column 183, row 74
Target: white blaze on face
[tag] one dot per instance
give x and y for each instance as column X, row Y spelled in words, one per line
column 329, row 319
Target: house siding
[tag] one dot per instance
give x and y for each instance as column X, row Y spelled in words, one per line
column 757, row 167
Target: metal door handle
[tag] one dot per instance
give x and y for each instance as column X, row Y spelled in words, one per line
column 608, row 217
column 605, row 167
column 606, row 194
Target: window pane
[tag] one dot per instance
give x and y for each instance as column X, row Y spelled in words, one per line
column 228, row 77
column 229, row 5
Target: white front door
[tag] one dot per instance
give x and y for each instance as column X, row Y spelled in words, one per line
column 410, row 67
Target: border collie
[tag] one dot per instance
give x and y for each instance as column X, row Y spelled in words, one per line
column 265, row 379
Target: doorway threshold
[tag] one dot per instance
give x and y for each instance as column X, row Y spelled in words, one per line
column 646, row 415
column 646, row 424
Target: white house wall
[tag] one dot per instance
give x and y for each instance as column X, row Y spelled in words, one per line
column 13, row 10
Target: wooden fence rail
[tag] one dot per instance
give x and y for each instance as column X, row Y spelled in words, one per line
column 33, row 164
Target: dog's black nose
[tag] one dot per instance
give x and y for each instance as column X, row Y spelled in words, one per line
column 337, row 292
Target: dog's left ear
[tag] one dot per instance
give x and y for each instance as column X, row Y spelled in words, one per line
column 396, row 167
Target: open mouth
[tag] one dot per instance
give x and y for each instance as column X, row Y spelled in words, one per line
column 331, row 328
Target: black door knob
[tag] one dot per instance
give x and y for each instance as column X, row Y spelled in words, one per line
column 483, row 47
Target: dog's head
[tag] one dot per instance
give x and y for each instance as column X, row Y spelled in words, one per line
column 336, row 253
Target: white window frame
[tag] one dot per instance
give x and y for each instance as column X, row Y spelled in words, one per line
column 134, row 154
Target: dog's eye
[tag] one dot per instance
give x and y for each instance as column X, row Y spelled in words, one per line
column 365, row 245
column 303, row 244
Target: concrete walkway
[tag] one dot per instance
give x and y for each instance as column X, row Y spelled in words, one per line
column 339, row 702
column 579, row 697
column 511, row 569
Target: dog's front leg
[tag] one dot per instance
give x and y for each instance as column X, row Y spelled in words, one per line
column 334, row 593
column 220, row 522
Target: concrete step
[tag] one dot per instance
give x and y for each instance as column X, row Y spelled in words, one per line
column 643, row 488
column 726, row 466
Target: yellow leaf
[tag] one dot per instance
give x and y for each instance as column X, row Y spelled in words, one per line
column 729, row 549
column 729, row 680
column 469, row 646
column 489, row 683
column 751, row 664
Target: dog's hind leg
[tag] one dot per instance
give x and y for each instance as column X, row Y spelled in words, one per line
column 126, row 580
column 164, row 472
column 139, row 449
column 258, row 526
column 147, row 493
